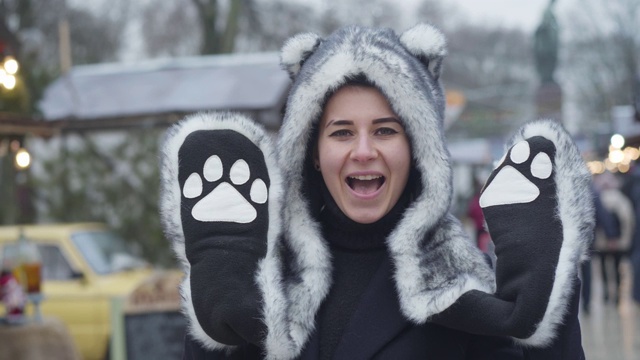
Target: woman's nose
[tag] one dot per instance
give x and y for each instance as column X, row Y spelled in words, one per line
column 364, row 149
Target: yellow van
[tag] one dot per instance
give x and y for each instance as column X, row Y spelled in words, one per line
column 84, row 266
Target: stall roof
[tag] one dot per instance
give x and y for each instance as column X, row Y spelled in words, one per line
column 243, row 82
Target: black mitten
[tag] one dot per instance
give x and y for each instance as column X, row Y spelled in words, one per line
column 539, row 213
column 215, row 208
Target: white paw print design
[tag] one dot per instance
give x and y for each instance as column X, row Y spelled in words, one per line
column 224, row 203
column 510, row 186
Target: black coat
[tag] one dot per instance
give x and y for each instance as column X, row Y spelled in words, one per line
column 378, row 330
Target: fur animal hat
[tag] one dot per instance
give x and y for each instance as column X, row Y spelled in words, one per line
column 434, row 261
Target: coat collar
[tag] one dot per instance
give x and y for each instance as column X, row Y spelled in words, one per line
column 371, row 333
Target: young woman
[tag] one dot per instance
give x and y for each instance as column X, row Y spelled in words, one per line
column 342, row 246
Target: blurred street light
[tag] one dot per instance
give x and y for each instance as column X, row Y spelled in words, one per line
column 9, row 82
column 616, row 156
column 617, row 141
column 596, row 167
column 23, row 159
column 619, row 159
column 11, row 65
column 8, row 71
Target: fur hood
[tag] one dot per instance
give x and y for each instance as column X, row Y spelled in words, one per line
column 434, row 260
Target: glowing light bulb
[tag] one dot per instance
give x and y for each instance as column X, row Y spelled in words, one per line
column 23, row 159
column 617, row 141
column 11, row 65
column 616, row 156
column 9, row 82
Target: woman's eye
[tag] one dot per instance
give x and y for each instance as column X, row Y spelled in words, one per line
column 342, row 132
column 386, row 131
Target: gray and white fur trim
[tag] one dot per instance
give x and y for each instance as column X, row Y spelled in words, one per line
column 296, row 50
column 575, row 209
column 267, row 278
column 402, row 69
column 426, row 42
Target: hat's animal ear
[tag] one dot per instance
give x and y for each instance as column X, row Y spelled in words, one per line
column 297, row 50
column 428, row 44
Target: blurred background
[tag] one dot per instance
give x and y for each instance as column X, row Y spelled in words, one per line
column 88, row 87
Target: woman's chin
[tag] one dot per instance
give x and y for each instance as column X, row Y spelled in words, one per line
column 365, row 216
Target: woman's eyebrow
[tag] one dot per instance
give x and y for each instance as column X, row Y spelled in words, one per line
column 386, row 120
column 375, row 121
column 339, row 122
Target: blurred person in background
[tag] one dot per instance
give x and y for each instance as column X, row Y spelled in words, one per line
column 606, row 224
column 474, row 212
column 615, row 228
column 631, row 188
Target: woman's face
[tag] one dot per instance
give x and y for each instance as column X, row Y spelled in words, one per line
column 363, row 153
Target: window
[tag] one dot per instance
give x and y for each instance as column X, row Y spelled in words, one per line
column 54, row 264
column 105, row 252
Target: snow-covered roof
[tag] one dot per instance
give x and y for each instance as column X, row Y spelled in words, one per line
column 244, row 82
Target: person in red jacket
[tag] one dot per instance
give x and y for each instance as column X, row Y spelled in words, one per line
column 474, row 212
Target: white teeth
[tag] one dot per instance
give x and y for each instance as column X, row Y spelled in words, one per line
column 365, row 177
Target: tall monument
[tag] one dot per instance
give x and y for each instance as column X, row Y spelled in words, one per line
column 546, row 44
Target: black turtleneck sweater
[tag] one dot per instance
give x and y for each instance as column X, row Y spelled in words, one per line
column 357, row 251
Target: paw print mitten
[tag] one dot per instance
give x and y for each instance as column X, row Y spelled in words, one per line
column 538, row 209
column 218, row 174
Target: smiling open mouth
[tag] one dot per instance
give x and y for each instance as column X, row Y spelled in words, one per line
column 365, row 184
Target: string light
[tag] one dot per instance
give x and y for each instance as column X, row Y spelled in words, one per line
column 8, row 70
column 23, row 159
column 617, row 141
column 619, row 158
column 11, row 65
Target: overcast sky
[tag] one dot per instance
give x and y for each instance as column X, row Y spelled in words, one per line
column 509, row 13
column 525, row 14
